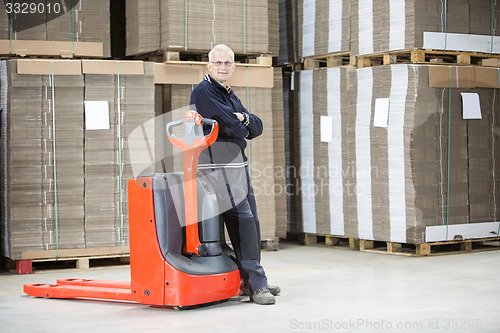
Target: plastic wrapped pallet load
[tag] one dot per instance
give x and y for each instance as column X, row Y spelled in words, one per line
column 65, row 165
column 409, row 168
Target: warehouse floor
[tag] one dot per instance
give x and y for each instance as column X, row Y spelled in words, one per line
column 324, row 289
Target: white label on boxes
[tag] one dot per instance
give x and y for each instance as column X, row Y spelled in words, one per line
column 381, row 115
column 96, row 115
column 471, row 106
column 326, row 129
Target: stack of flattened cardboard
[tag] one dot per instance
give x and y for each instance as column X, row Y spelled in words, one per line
column 410, row 156
column 143, row 26
column 65, row 158
column 400, row 25
column 366, row 27
column 63, row 106
column 101, row 160
column 246, row 26
column 478, row 12
column 138, row 114
column 323, row 27
column 260, row 152
column 317, row 177
column 287, row 46
column 278, row 129
column 21, row 195
column 94, row 25
column 73, row 21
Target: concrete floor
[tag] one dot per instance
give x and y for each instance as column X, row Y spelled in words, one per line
column 324, row 289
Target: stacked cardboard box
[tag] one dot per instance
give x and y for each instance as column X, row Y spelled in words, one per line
column 317, row 175
column 384, row 168
column 287, row 26
column 65, row 160
column 273, row 27
column 279, row 174
column 63, row 104
column 94, row 25
column 399, row 157
column 74, row 21
column 246, row 26
column 101, row 166
column 143, row 26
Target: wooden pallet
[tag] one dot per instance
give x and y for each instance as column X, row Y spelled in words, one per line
column 415, row 250
column 432, row 248
column 336, row 59
column 68, row 258
column 423, row 56
column 308, row 239
column 29, row 266
column 174, row 55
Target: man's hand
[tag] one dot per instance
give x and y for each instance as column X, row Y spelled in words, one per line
column 240, row 116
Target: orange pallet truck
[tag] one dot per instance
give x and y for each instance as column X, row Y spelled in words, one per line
column 176, row 257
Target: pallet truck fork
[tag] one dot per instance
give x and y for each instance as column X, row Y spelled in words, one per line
column 176, row 258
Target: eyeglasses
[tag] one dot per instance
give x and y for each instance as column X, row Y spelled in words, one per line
column 220, row 63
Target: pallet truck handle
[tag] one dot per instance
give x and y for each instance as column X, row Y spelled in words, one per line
column 192, row 143
column 193, row 132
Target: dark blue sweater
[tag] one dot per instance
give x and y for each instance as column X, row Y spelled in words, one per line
column 214, row 101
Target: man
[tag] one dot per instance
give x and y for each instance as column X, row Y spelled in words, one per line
column 225, row 165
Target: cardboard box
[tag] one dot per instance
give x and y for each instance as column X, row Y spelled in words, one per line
column 193, row 73
column 486, row 77
column 452, row 76
column 463, row 77
column 52, row 158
